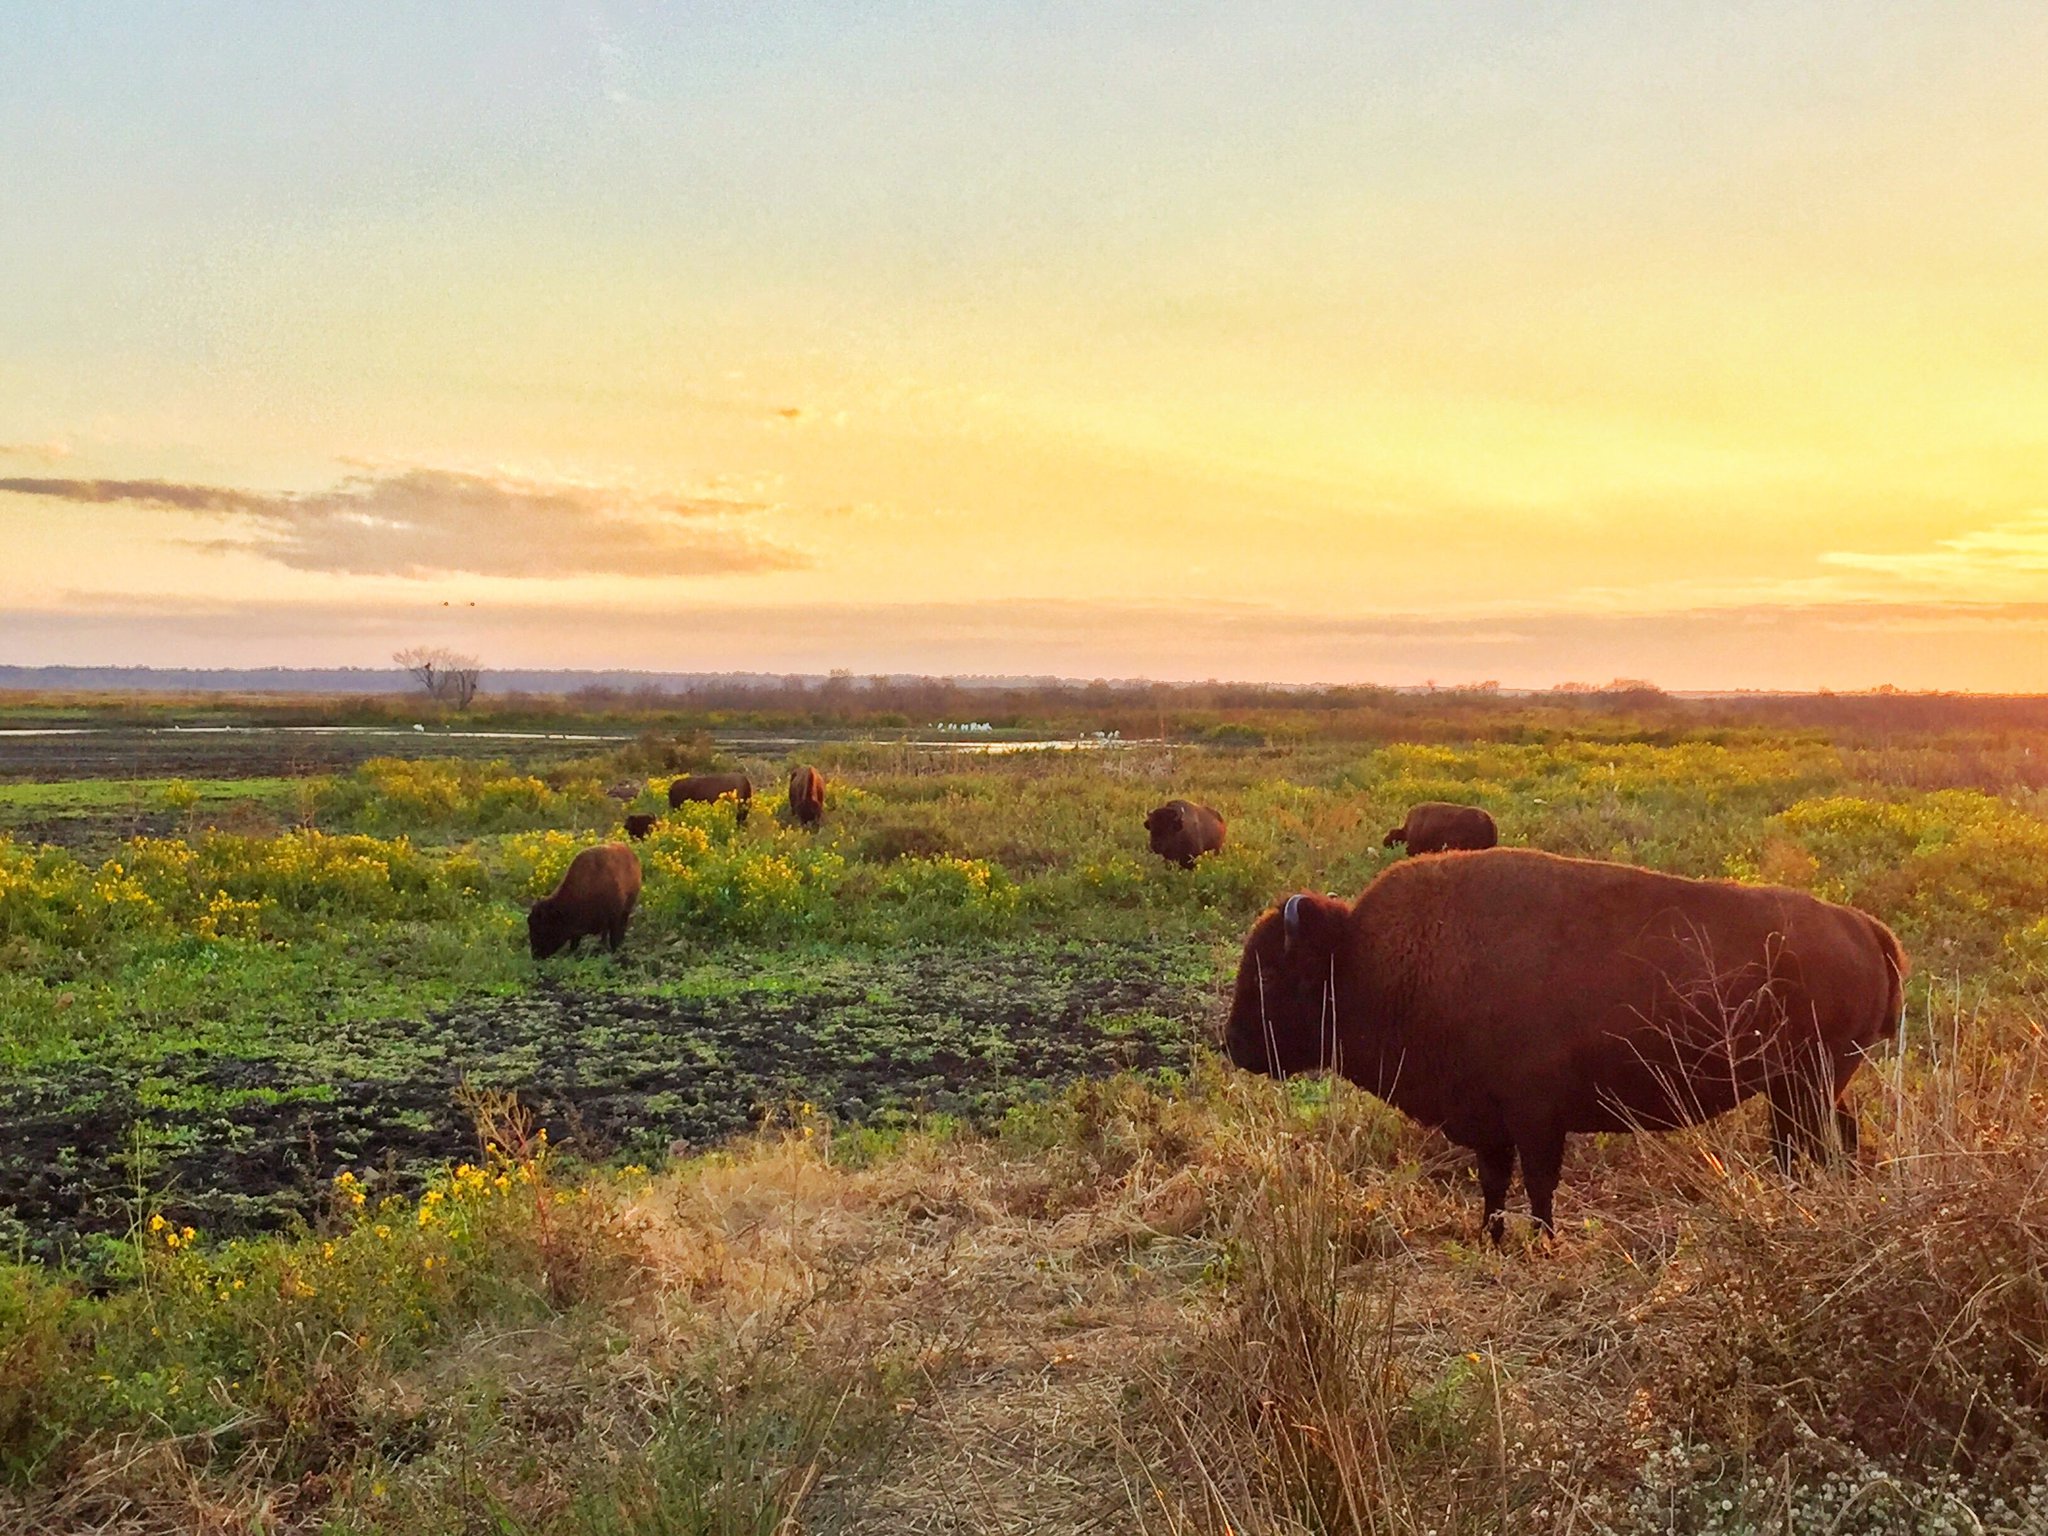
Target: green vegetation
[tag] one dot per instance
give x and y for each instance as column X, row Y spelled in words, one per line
column 949, row 1200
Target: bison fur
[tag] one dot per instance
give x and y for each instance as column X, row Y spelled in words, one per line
column 713, row 786
column 1511, row 998
column 1436, row 826
column 1182, row 832
column 806, row 796
column 596, row 898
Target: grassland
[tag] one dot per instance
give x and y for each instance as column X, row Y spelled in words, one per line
column 888, row 1182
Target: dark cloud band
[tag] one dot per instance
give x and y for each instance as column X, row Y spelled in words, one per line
column 433, row 522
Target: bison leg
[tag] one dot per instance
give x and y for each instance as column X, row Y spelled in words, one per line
column 1801, row 1113
column 1542, row 1150
column 1496, row 1171
column 1847, row 1130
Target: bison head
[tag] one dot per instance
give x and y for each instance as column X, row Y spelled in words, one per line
column 1282, row 1018
column 1164, row 825
column 546, row 930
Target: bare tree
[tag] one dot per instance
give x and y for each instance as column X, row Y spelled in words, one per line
column 447, row 675
column 424, row 663
column 460, row 676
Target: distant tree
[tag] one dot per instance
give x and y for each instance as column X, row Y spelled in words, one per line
column 461, row 676
column 424, row 663
column 448, row 675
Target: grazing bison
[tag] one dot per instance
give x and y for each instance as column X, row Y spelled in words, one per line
column 710, row 786
column 1183, row 831
column 1437, row 826
column 1511, row 997
column 638, row 826
column 596, row 896
column 806, row 796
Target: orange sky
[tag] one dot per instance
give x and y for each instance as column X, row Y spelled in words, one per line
column 1267, row 342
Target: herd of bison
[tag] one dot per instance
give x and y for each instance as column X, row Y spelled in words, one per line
column 1505, row 996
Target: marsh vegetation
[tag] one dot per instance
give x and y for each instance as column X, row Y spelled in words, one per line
column 887, row 1180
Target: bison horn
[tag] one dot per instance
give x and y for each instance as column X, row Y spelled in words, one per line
column 1290, row 917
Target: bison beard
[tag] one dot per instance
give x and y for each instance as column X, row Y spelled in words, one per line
column 1510, row 998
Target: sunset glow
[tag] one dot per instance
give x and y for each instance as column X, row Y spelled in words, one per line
column 1265, row 342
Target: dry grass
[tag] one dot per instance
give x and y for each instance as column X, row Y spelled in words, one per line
column 1247, row 1308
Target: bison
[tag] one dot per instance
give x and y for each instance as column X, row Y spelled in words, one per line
column 1182, row 832
column 711, row 786
column 1436, row 826
column 596, row 896
column 806, row 796
column 1510, row 998
column 638, row 826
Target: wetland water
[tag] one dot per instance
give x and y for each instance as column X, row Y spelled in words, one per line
column 255, row 751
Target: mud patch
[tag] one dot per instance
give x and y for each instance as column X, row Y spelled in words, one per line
column 235, row 1144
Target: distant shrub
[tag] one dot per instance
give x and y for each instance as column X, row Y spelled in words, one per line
column 954, row 895
column 1957, row 871
column 904, row 840
column 1230, row 734
column 412, row 795
column 703, row 879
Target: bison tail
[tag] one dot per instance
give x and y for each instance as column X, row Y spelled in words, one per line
column 1896, row 970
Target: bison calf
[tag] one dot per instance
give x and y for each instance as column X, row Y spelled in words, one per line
column 596, row 896
column 638, row 826
column 712, row 786
column 1436, row 826
column 1182, row 832
column 806, row 796
column 1510, row 998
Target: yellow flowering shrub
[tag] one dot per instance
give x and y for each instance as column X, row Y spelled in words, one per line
column 968, row 895
column 407, row 794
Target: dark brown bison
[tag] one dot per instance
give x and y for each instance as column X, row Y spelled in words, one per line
column 710, row 786
column 806, row 796
column 1511, row 997
column 1182, row 832
column 1436, row 826
column 638, row 826
column 596, row 896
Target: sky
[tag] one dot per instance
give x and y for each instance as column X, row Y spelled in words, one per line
column 1288, row 342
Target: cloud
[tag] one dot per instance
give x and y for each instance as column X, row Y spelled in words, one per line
column 2007, row 559
column 432, row 522
column 48, row 452
column 155, row 493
